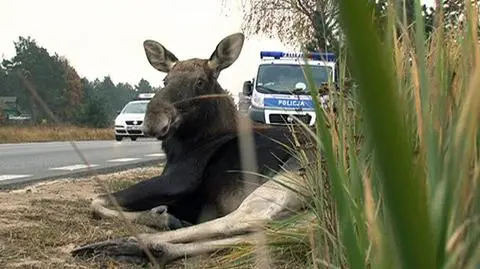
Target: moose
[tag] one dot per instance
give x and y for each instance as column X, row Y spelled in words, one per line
column 206, row 196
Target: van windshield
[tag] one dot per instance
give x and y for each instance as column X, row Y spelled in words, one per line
column 282, row 78
column 135, row 107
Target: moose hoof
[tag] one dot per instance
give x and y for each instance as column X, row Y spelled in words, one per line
column 159, row 209
column 159, row 219
column 122, row 250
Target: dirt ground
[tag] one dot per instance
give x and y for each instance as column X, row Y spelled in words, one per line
column 41, row 224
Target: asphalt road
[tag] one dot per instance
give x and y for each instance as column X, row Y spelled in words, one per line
column 30, row 162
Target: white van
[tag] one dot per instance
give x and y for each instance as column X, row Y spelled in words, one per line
column 129, row 120
column 279, row 89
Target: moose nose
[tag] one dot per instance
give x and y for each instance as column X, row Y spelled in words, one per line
column 162, row 132
column 156, row 131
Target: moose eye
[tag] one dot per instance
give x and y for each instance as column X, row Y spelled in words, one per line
column 200, row 83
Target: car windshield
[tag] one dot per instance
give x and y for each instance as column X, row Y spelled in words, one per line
column 282, row 78
column 135, row 107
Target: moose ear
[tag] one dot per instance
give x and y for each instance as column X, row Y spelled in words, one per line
column 158, row 56
column 226, row 52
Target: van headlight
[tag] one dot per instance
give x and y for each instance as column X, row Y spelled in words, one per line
column 257, row 100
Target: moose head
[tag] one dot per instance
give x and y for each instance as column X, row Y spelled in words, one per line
column 176, row 107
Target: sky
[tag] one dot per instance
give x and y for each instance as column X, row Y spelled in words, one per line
column 104, row 37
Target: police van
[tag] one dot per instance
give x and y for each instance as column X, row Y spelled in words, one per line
column 279, row 88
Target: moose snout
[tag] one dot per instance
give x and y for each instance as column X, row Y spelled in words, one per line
column 157, row 128
column 160, row 118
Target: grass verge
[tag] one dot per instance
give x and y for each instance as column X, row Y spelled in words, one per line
column 40, row 133
column 39, row 225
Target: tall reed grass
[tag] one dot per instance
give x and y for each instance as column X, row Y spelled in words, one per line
column 397, row 186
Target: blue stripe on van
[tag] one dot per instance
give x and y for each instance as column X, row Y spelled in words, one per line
column 287, row 103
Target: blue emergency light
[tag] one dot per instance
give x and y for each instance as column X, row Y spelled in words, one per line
column 326, row 56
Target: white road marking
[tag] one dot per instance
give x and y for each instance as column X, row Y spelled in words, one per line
column 73, row 167
column 7, row 177
column 156, row 155
column 123, row 160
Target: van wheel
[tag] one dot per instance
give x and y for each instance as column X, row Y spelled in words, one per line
column 118, row 138
column 134, row 138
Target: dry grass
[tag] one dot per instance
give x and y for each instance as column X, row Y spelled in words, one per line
column 19, row 134
column 40, row 225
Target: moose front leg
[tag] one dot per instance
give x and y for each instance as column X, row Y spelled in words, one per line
column 157, row 218
column 146, row 202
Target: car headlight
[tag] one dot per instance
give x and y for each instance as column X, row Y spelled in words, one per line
column 257, row 100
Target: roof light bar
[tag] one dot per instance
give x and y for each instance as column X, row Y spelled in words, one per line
column 145, row 95
column 320, row 56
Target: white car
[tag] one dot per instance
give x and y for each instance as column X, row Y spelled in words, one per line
column 129, row 121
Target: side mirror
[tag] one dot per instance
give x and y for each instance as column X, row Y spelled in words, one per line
column 247, row 88
column 118, row 112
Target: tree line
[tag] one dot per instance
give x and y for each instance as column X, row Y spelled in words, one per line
column 73, row 99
